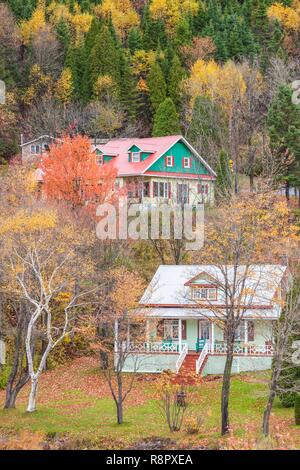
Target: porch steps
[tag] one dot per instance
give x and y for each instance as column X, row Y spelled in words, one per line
column 187, row 373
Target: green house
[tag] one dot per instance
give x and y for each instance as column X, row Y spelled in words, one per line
column 159, row 169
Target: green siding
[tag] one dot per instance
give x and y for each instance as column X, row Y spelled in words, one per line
column 134, row 148
column 178, row 151
column 106, row 158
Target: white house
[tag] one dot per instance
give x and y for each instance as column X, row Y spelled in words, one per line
column 184, row 308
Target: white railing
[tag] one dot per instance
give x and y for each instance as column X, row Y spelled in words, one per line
column 202, row 357
column 181, row 358
column 245, row 349
column 146, row 347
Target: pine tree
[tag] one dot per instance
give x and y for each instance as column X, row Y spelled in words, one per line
column 128, row 95
column 207, row 124
column 104, row 59
column 283, row 123
column 22, row 9
column 64, row 35
column 176, row 76
column 157, row 87
column 76, row 61
column 135, row 40
column 166, row 121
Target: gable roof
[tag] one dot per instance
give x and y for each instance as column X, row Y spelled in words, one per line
column 39, row 138
column 170, row 286
column 156, row 146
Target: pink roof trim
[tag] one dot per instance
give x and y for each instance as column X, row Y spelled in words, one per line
column 120, row 148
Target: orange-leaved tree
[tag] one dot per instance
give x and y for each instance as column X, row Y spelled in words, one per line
column 72, row 174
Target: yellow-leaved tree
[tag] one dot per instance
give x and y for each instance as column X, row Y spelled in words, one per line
column 35, row 24
column 123, row 14
column 288, row 16
column 171, row 11
column 64, row 86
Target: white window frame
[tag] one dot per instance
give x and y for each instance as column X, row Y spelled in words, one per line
column 165, row 189
column 35, row 149
column 169, row 161
column 171, row 329
column 186, row 162
column 204, row 293
column 135, row 157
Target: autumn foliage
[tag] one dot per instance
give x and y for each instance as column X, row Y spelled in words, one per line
column 71, row 173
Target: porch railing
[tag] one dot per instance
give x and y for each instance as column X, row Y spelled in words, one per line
column 201, row 358
column 246, row 349
column 181, row 358
column 146, row 347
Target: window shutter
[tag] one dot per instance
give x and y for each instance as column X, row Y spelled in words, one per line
column 166, row 161
column 250, row 330
column 170, row 190
column 172, row 161
column 183, row 329
column 129, row 157
column 206, row 189
column 183, row 163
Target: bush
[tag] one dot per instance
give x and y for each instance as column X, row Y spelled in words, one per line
column 193, row 424
column 297, row 410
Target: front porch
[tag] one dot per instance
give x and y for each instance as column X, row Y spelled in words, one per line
column 169, row 341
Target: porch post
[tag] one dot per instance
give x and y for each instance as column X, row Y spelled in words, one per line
column 128, row 336
column 180, row 334
column 116, row 335
column 212, row 347
column 246, row 335
column 147, row 335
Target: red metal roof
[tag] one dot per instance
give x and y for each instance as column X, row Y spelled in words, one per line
column 156, row 145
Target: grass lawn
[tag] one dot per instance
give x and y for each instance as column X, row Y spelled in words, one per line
column 74, row 404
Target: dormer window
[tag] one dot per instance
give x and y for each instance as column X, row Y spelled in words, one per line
column 135, row 157
column 204, row 293
column 170, row 161
column 99, row 159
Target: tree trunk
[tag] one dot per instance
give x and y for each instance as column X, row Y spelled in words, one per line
column 32, row 397
column 267, row 413
column 10, row 400
column 120, row 412
column 120, row 400
column 225, row 392
column 19, row 375
column 287, row 190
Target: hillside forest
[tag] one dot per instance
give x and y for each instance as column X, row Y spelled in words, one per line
column 218, row 72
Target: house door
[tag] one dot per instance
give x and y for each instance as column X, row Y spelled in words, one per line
column 204, row 329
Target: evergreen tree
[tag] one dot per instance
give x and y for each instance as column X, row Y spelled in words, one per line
column 76, row 61
column 128, row 95
column 207, row 124
column 157, row 87
column 64, row 35
column 283, row 123
column 22, row 9
column 104, row 59
column 135, row 40
column 176, row 76
column 166, row 121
